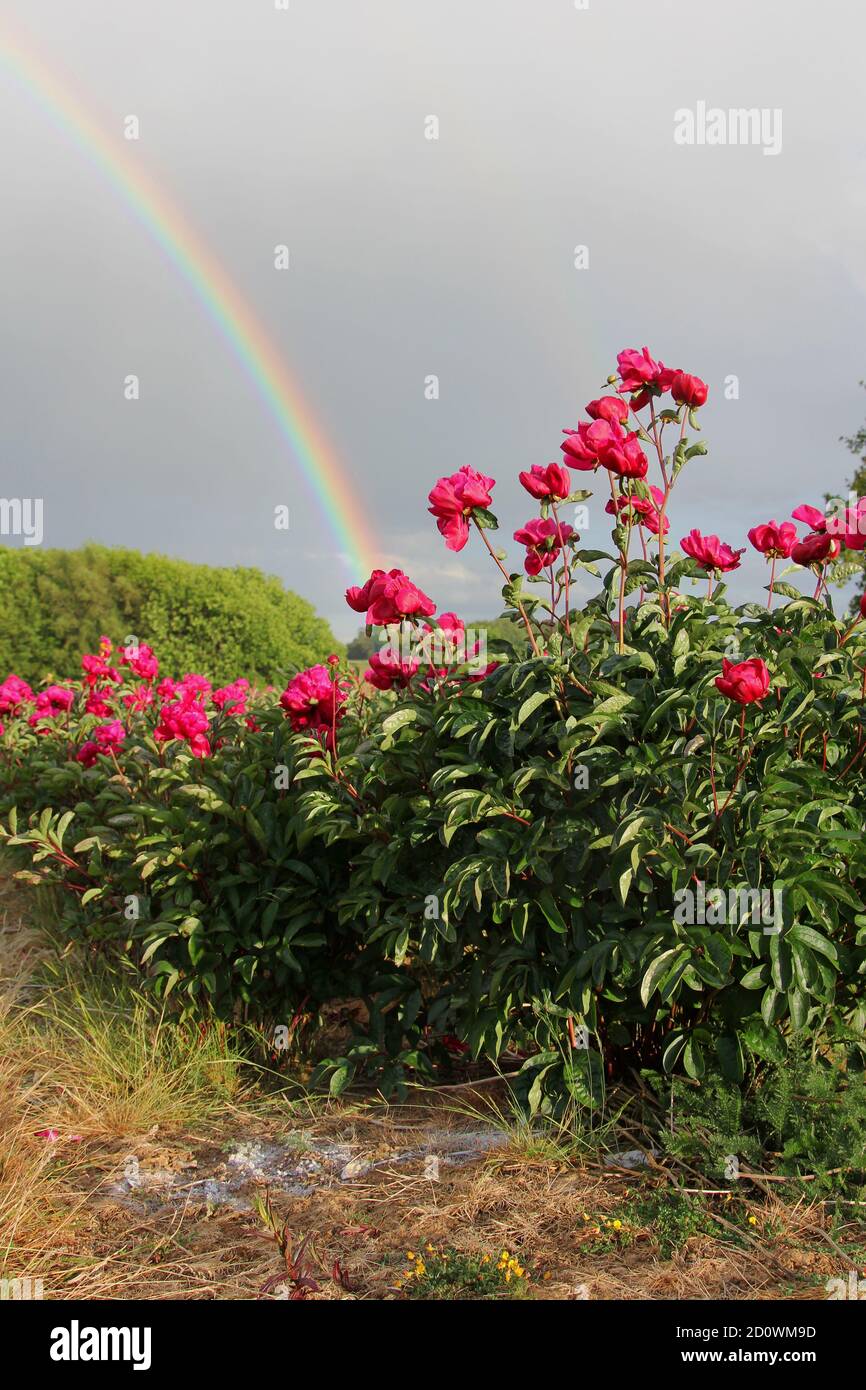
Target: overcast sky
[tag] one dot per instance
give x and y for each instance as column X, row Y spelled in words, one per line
column 412, row 257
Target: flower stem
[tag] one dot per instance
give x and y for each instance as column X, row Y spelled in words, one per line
column 507, row 577
column 772, row 582
column 623, row 563
column 567, row 563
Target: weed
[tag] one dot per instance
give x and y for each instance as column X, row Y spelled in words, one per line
column 446, row 1273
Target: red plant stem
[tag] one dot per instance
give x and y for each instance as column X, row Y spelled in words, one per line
column 662, row 511
column 668, row 487
column 741, row 767
column 120, row 772
column 507, row 577
column 640, row 532
column 772, row 582
column 622, row 571
column 847, row 633
column 567, row 562
column 623, row 563
column 740, row 770
column 582, row 688
column 681, row 834
column 848, row 766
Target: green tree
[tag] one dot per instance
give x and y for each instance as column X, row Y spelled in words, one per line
column 361, row 647
column 223, row 622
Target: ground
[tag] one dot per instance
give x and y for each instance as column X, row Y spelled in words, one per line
column 140, row 1160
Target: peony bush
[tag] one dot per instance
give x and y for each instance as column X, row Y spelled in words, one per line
column 636, row 842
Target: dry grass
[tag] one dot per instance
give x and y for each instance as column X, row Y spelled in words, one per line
column 115, row 1080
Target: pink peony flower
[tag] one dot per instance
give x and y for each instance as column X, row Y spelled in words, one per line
column 387, row 670
column 689, row 390
column 745, row 682
column 710, row 552
column 232, row 699
column 110, row 736
column 647, row 510
column 194, row 685
column 609, row 408
column 815, row 549
column 386, row 598
column 185, row 719
column 139, row 699
column 96, row 669
column 552, row 482
column 850, row 526
column 140, row 660
column 313, row 702
column 642, row 377
column 582, row 447
column 14, row 692
column 448, row 623
column 98, row 705
column 51, row 702
column 607, row 443
column 453, row 500
column 106, row 739
column 773, row 540
column 544, row 540
column 624, row 457
column 813, row 518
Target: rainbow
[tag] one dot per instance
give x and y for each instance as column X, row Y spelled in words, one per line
column 340, row 505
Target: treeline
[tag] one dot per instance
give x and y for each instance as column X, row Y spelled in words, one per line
column 54, row 604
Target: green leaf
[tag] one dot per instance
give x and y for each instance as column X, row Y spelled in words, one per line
column 531, row 704
column 551, row 911
column 399, row 719
column 729, row 1051
column 764, row 1041
column 340, row 1079
column 814, row 939
column 658, row 968
column 693, row 1059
